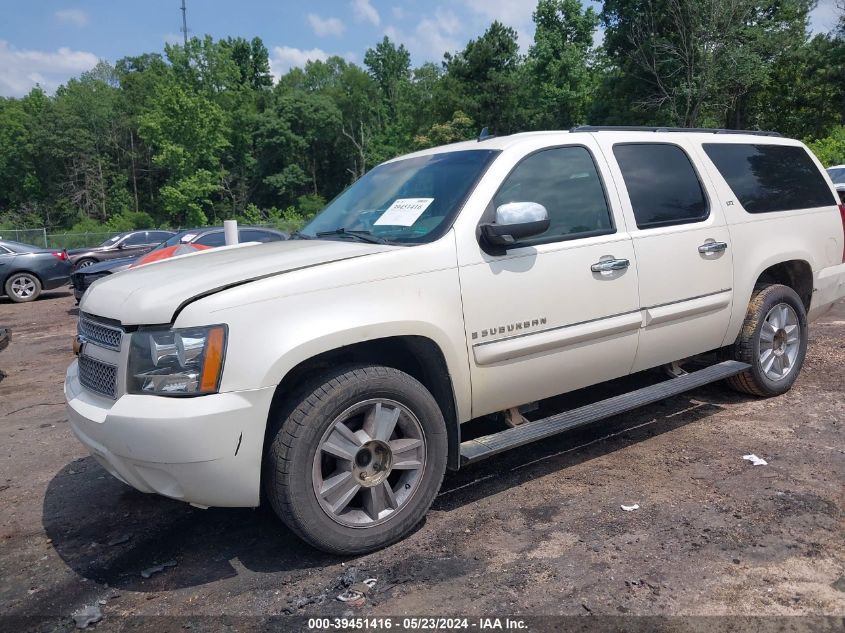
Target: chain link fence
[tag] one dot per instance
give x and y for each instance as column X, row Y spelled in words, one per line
column 36, row 237
column 41, row 238
column 77, row 240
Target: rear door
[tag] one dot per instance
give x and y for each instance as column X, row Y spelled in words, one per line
column 682, row 247
column 6, row 257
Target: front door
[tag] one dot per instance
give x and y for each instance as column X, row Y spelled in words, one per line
column 683, row 250
column 560, row 311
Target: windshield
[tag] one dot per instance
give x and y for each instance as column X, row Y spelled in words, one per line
column 112, row 241
column 411, row 200
column 837, row 175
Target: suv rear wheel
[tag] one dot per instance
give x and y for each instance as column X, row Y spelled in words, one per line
column 357, row 460
column 773, row 340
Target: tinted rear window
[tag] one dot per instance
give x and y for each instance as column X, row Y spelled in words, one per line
column 662, row 184
column 256, row 235
column 212, row 239
column 768, row 178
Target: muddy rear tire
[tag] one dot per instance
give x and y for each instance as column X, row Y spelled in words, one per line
column 773, row 340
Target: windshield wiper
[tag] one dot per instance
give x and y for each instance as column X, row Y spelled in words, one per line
column 299, row 235
column 364, row 236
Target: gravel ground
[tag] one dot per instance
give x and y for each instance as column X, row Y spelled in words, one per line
column 537, row 531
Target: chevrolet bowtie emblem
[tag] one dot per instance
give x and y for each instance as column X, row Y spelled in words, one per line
column 78, row 343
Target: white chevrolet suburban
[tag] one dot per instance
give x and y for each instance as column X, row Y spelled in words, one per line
column 331, row 374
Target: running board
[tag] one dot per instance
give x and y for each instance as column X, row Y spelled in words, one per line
column 489, row 445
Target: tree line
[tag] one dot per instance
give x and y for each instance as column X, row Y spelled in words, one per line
column 202, row 132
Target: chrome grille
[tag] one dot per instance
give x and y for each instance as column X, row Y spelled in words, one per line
column 98, row 376
column 99, row 333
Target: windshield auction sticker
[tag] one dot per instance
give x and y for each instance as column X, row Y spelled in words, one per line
column 404, row 211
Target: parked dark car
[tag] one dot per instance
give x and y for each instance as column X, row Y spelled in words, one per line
column 26, row 270
column 128, row 244
column 837, row 175
column 212, row 236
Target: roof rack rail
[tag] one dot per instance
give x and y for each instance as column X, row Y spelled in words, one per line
column 635, row 128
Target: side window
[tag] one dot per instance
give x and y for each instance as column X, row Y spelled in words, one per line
column 255, row 235
column 137, row 239
column 768, row 178
column 212, row 239
column 662, row 184
column 565, row 181
column 157, row 236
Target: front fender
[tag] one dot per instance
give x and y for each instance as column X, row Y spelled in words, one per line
column 271, row 332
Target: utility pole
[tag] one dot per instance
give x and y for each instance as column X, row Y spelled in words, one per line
column 184, row 24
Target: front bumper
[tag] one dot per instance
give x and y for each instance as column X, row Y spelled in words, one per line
column 205, row 450
column 829, row 287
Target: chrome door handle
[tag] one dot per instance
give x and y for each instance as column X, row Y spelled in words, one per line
column 609, row 265
column 712, row 247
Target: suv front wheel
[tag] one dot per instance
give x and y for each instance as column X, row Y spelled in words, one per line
column 357, row 459
column 773, row 340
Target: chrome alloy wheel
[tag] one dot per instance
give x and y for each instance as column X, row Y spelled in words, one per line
column 780, row 341
column 369, row 463
column 23, row 287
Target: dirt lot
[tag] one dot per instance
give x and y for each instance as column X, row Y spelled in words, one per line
column 539, row 530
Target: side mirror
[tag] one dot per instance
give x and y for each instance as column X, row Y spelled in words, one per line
column 514, row 222
column 121, row 246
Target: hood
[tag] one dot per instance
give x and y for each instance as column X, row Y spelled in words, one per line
column 153, row 293
column 110, row 265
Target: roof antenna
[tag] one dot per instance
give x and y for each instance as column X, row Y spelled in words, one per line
column 485, row 134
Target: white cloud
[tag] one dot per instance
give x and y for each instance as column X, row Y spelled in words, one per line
column 432, row 37
column 365, row 12
column 75, row 17
column 326, row 26
column 398, row 12
column 284, row 58
column 21, row 69
column 509, row 12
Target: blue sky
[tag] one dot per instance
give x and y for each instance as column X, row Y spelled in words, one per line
column 48, row 41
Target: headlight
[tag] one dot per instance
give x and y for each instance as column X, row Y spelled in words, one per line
column 185, row 361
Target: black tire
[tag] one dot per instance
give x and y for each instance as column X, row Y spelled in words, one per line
column 749, row 345
column 22, row 287
column 291, row 456
column 84, row 262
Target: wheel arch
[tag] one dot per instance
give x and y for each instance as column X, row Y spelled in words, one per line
column 794, row 273
column 793, row 269
column 418, row 356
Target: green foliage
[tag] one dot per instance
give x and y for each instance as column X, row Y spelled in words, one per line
column 460, row 128
column 199, row 133
column 126, row 221
column 830, row 150
column 483, row 80
column 559, row 63
column 310, row 204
